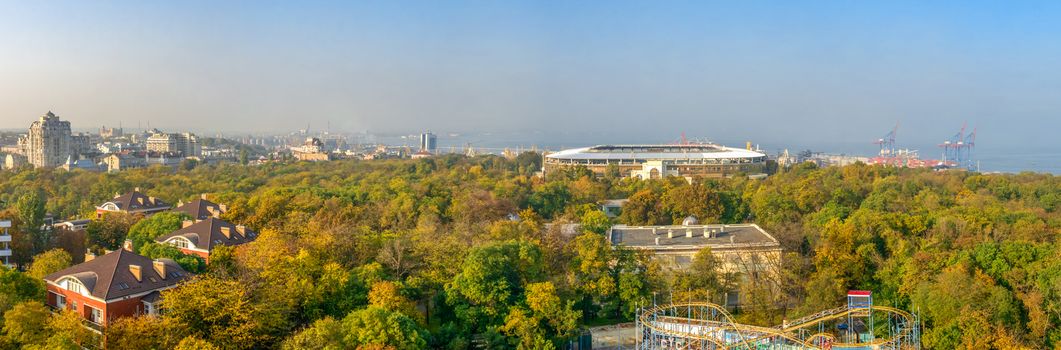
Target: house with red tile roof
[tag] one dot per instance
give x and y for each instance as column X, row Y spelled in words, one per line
column 201, row 209
column 200, row 237
column 133, row 203
column 114, row 285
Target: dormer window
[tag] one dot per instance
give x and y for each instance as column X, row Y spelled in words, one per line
column 75, row 287
column 179, row 243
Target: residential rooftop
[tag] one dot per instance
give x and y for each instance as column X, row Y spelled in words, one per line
column 677, row 237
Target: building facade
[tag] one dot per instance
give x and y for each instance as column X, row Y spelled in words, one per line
column 48, row 142
column 659, row 161
column 185, row 144
column 428, row 142
column 5, row 244
column 114, row 285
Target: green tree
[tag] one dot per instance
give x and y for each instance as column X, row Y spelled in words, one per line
column 27, row 323
column 31, row 214
column 492, row 279
column 596, row 221
column 109, row 231
column 146, row 230
column 48, row 262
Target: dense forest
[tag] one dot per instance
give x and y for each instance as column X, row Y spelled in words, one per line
column 455, row 252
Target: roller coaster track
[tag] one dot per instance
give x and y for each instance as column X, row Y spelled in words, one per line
column 699, row 331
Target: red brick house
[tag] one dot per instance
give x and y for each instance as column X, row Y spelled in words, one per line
column 117, row 284
column 201, row 209
column 133, row 203
column 200, row 237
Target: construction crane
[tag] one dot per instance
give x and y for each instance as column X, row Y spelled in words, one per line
column 887, row 143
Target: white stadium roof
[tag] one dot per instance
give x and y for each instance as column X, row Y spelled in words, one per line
column 697, row 151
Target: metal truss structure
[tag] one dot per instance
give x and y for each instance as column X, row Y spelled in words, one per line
column 710, row 326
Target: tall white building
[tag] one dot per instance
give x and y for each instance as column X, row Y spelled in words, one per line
column 48, row 142
column 428, row 142
column 5, row 243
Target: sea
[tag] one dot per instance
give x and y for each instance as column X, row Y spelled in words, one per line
column 985, row 158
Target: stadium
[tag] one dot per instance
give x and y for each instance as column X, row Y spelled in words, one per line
column 657, row 161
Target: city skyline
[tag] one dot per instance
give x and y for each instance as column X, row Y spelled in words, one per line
column 765, row 71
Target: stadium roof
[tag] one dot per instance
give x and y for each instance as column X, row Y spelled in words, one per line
column 698, row 151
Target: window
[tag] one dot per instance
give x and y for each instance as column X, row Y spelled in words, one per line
column 96, row 316
column 75, row 287
column 179, row 243
column 149, row 308
column 173, row 274
column 60, row 301
column 73, row 305
column 123, row 286
column 152, row 279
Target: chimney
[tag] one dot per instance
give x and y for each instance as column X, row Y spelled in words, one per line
column 137, row 189
column 657, row 240
column 116, row 194
column 202, row 196
column 242, row 230
column 227, row 231
column 135, row 269
column 89, row 256
column 214, row 212
column 223, row 207
column 127, row 245
column 160, row 267
column 670, row 233
column 731, row 239
column 688, row 233
column 186, row 223
column 707, row 234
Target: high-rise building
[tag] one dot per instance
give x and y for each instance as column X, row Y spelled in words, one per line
column 184, row 143
column 48, row 142
column 5, row 243
column 428, row 142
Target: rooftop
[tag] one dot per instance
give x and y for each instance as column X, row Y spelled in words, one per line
column 694, row 151
column 108, row 276
column 692, row 237
column 208, row 233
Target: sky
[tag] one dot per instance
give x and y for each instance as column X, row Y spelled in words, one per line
column 775, row 72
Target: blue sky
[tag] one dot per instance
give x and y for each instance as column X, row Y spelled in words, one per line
column 784, row 72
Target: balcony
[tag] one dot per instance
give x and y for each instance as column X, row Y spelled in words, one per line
column 5, row 252
column 5, row 238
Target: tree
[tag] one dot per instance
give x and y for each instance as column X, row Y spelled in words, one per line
column 596, row 221
column 385, row 294
column 643, row 208
column 379, row 326
column 219, row 311
column 27, row 323
column 193, row 343
column 48, row 262
column 146, row 230
column 109, row 231
column 189, row 262
column 17, row 287
column 492, row 279
column 31, row 218
column 144, row 332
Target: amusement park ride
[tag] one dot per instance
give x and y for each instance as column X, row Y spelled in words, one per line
column 857, row 325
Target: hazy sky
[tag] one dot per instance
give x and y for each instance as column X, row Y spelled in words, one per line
column 786, row 71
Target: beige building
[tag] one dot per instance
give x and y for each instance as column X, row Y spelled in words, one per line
column 185, row 144
column 743, row 250
column 48, row 142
